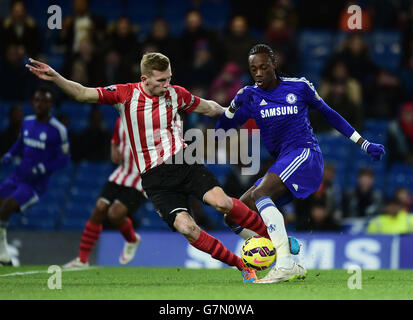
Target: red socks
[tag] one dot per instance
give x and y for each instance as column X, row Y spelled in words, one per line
column 216, row 249
column 90, row 235
column 247, row 218
column 127, row 230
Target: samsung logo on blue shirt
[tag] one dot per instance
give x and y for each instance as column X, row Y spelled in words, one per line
column 279, row 111
column 34, row 143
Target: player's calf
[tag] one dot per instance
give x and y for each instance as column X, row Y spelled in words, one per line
column 186, row 226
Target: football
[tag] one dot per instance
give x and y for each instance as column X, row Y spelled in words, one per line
column 258, row 253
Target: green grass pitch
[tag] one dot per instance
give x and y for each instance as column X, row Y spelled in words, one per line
column 139, row 283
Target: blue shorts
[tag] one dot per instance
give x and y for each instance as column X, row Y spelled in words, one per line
column 301, row 171
column 23, row 193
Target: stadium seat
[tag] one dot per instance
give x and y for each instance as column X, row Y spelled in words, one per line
column 78, row 114
column 149, row 218
column 399, row 175
column 215, row 216
column 111, row 10
column 142, row 13
column 220, row 171
column 95, row 168
column 375, row 130
column 110, row 115
column 4, row 115
column 386, row 48
column 314, row 46
column 79, row 208
column 38, row 11
column 215, row 14
column 72, row 224
column 174, row 13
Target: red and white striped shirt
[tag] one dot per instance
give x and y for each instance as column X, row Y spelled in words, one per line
column 126, row 174
column 152, row 123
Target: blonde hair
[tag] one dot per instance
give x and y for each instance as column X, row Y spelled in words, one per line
column 154, row 61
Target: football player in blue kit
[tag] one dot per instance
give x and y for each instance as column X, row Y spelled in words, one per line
column 280, row 108
column 43, row 147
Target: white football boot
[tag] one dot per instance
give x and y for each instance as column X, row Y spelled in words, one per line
column 281, row 274
column 129, row 250
column 5, row 259
column 76, row 264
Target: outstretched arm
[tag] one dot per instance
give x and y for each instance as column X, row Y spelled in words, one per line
column 376, row 151
column 209, row 108
column 71, row 88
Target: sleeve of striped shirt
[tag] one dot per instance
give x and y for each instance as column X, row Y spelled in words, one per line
column 113, row 94
column 314, row 101
column 115, row 135
column 186, row 101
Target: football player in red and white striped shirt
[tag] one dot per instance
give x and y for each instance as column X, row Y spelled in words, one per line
column 150, row 113
column 120, row 197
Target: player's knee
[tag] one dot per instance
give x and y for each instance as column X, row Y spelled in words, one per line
column 116, row 213
column 100, row 211
column 219, row 200
column 257, row 194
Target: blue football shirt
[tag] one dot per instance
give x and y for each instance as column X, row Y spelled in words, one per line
column 282, row 115
column 43, row 144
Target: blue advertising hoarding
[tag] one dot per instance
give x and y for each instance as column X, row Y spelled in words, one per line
column 319, row 250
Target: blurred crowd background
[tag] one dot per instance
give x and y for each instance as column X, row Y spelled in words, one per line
column 366, row 75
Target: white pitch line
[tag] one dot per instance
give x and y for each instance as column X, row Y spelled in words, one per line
column 41, row 271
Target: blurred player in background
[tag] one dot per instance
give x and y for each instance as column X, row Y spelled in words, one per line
column 120, row 197
column 43, row 147
column 150, row 113
column 280, row 107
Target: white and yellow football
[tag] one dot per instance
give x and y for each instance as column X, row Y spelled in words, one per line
column 258, row 253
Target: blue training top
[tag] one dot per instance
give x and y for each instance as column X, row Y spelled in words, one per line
column 43, row 144
column 282, row 116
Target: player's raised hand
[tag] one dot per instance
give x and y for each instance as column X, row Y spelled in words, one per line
column 41, row 70
column 376, row 151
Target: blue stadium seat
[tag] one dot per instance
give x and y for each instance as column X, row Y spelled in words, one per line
column 72, row 224
column 334, row 146
column 108, row 9
column 216, row 217
column 142, row 13
column 386, row 48
column 38, row 11
column 78, row 114
column 79, row 208
column 215, row 14
column 174, row 13
column 55, row 60
column 67, row 7
column 110, row 115
column 4, row 114
column 376, row 130
column 14, row 222
column 150, row 220
column 99, row 171
column 399, row 175
column 220, row 171
column 38, row 224
column 315, row 46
